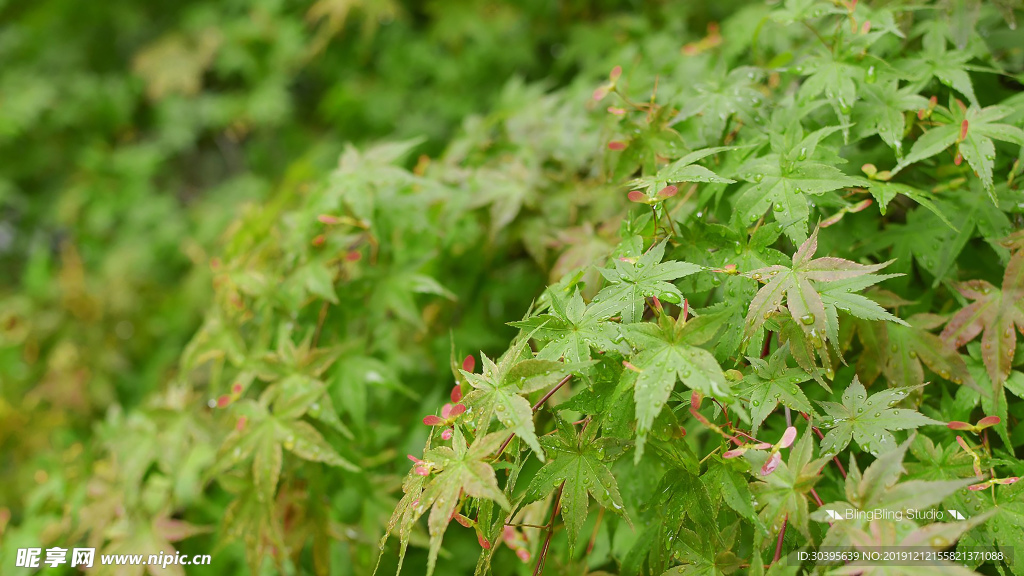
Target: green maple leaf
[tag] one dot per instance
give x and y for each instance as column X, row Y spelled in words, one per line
column 785, row 181
column 935, row 238
column 838, row 79
column 497, row 392
column 669, row 352
column 459, row 469
column 572, row 328
column 869, row 420
column 579, row 465
column 976, row 146
column 879, row 488
column 783, row 493
column 881, row 110
column 804, row 286
column 937, row 61
column 681, row 170
column 898, row 351
column 722, row 246
column 637, row 276
column 996, row 314
column 1002, row 529
column 722, row 479
column 721, row 96
column 265, row 435
column 772, row 383
column 706, row 553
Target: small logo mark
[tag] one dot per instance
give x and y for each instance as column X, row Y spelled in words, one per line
column 833, row 514
column 956, row 514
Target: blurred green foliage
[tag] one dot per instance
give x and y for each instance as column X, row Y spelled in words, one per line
column 133, row 133
column 225, row 305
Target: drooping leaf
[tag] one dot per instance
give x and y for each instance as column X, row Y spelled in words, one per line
column 996, row 314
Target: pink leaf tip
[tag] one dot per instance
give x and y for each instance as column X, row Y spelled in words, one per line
column 447, row 434
column 616, row 145
column 615, row 73
column 469, row 363
column 734, row 453
column 668, row 191
column 771, row 464
column 636, row 196
column 987, row 422
column 787, row 437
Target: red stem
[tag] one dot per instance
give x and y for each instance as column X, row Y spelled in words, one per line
column 536, row 406
column 778, row 543
column 822, row 437
column 539, row 568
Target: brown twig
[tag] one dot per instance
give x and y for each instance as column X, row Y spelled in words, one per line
column 536, row 407
column 593, row 535
column 539, row 568
column 822, row 437
column 320, row 323
column 767, row 348
column 778, row 543
column 551, row 392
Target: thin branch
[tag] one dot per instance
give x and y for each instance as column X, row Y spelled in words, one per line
column 551, row 392
column 539, row 568
column 778, row 543
column 536, row 407
column 822, row 437
column 320, row 323
column 593, row 535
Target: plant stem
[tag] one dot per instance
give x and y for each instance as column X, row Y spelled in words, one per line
column 593, row 535
column 320, row 323
column 539, row 568
column 778, row 543
column 536, row 406
column 822, row 437
column 706, row 457
column 551, row 392
column 767, row 348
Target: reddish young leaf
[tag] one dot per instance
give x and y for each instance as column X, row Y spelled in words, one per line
column 996, row 314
